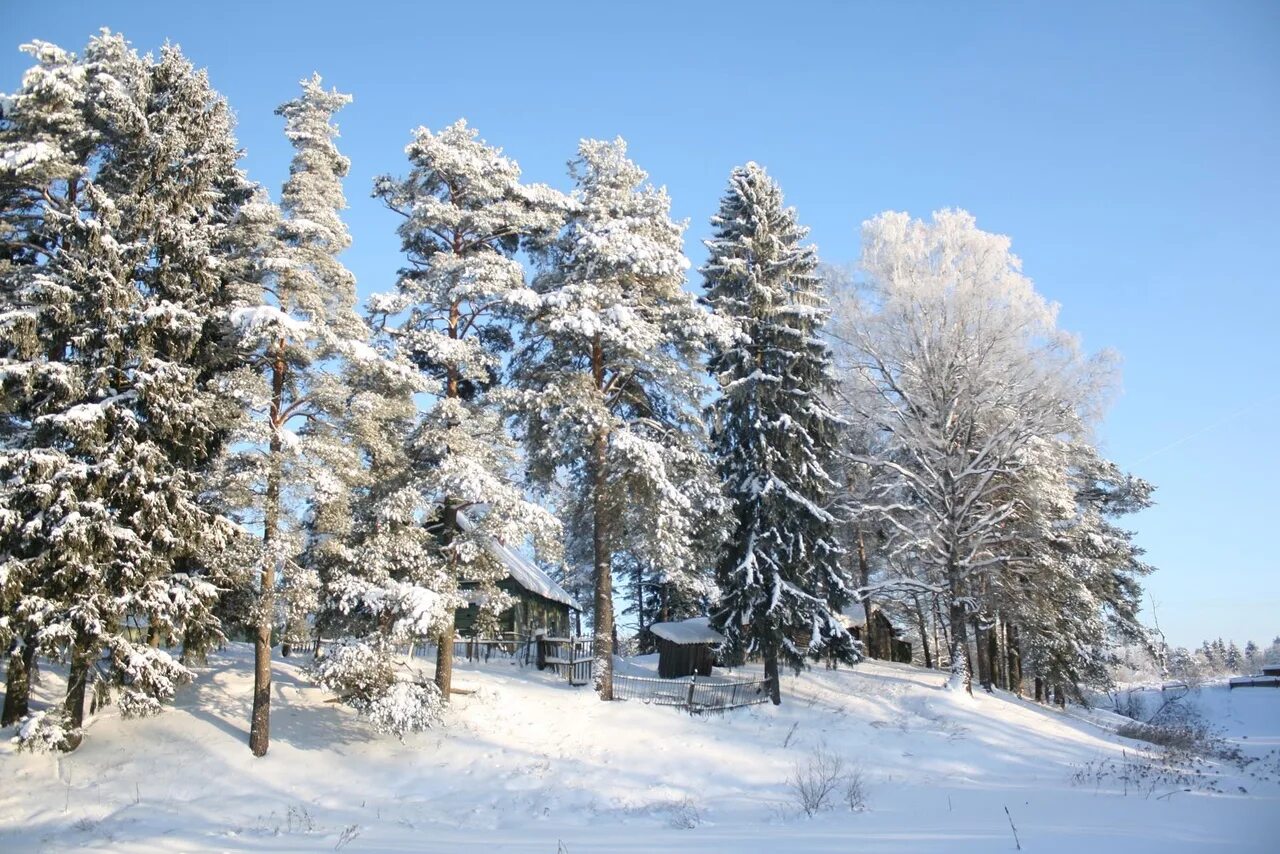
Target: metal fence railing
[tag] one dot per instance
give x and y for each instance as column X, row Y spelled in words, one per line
column 695, row 695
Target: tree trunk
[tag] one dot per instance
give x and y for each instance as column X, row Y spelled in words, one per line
column 871, row 637
column 17, row 694
column 260, row 722
column 986, row 663
column 1039, row 689
column 960, row 670
column 601, row 557
column 641, row 643
column 943, row 643
column 999, row 658
column 1015, row 658
column 603, row 586
column 771, row 674
column 444, row 643
column 924, row 632
column 984, row 641
column 444, row 657
column 77, row 681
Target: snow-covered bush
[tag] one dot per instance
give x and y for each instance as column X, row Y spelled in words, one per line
column 44, row 732
column 405, row 707
column 135, row 704
column 355, row 671
column 149, row 676
column 363, row 677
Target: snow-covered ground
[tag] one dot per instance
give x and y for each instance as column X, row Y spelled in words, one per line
column 527, row 763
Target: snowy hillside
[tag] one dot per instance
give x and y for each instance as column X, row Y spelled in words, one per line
column 527, row 763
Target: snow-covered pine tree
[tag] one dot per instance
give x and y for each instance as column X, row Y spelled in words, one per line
column 466, row 215
column 609, row 387
column 1072, row 591
column 774, row 434
column 122, row 212
column 297, row 338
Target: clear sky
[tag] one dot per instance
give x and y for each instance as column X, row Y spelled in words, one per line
column 1132, row 151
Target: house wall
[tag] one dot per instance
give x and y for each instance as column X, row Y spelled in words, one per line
column 675, row 660
column 529, row 613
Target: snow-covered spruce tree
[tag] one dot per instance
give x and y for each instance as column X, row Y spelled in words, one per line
column 381, row 580
column 123, row 204
column 773, row 434
column 466, row 215
column 956, row 362
column 297, row 339
column 608, row 380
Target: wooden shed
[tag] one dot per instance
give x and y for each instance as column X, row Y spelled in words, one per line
column 686, row 647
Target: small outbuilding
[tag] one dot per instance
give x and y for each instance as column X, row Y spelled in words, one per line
column 883, row 641
column 685, row 648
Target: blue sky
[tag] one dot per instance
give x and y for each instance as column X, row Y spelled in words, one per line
column 1132, row 151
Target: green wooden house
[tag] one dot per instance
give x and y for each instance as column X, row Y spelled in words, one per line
column 541, row 604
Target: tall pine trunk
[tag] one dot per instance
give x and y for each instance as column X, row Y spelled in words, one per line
column 260, row 722
column 601, row 558
column 444, row 643
column 77, row 682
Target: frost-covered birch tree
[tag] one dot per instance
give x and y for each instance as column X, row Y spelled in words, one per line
column 303, row 328
column 774, row 434
column 121, row 228
column 958, row 365
column 466, row 216
column 608, row 376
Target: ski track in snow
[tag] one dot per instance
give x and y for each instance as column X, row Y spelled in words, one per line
column 529, row 764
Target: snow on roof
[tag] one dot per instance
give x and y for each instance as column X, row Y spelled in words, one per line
column 523, row 571
column 693, row 630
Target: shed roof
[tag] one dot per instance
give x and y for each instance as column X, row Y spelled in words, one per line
column 693, row 630
column 525, row 573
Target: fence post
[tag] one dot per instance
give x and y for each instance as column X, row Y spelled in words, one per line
column 689, row 702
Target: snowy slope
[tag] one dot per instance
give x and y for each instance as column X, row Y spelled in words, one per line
column 530, row 764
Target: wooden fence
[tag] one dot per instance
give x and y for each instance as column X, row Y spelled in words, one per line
column 571, row 658
column 698, row 696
